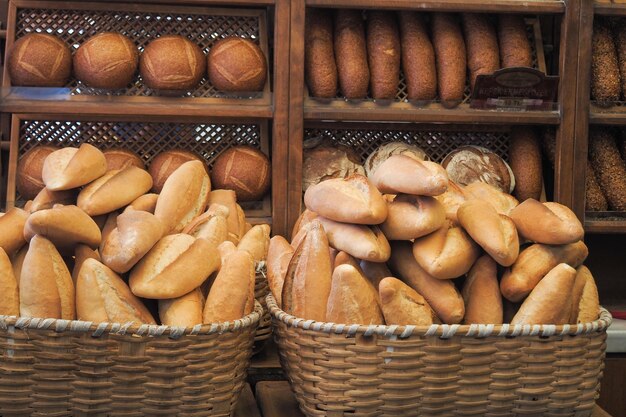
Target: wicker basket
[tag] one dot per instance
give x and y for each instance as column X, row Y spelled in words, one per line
column 261, row 289
column 443, row 370
column 72, row 368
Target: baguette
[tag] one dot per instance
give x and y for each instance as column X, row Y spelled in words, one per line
column 81, row 254
column 185, row 311
column 352, row 298
column 481, row 293
column 515, row 48
column 403, row 306
column 589, row 306
column 212, row 225
column 549, row 223
column 9, row 296
column 525, row 162
column 225, row 249
column 146, row 202
column 402, row 174
column 383, row 54
column 256, row 242
column 375, row 271
column 235, row 221
column 12, row 230
column 411, row 217
column 351, row 54
column 279, row 255
column 319, row 57
column 69, row 168
column 483, row 55
column 360, row 241
column 451, row 58
column 46, row 199
column 418, row 57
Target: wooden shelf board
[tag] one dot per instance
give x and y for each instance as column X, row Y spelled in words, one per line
column 607, row 118
column 202, row 2
column 504, row 6
column 605, row 225
column 610, row 9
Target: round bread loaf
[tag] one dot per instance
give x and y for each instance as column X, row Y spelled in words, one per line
column 172, row 62
column 106, row 60
column 328, row 161
column 237, row 64
column 244, row 170
column 383, row 152
column 468, row 164
column 39, row 60
column 167, row 162
column 120, row 158
column 28, row 178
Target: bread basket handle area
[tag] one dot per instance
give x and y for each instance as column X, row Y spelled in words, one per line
column 444, row 331
column 131, row 328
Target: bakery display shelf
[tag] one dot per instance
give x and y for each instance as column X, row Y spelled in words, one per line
column 203, row 2
column 613, row 115
column 75, row 22
column 609, row 9
column 605, row 222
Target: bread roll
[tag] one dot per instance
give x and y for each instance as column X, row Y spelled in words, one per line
column 120, row 158
column 185, row 311
column 306, row 217
column 402, row 174
column 245, row 170
column 69, row 168
column 549, row 302
column 172, row 62
column 232, row 294
column 446, row 253
column 352, row 299
column 504, row 203
column 483, row 55
column 308, row 280
column 102, row 296
column 165, row 163
column 605, row 76
column 173, row 267
column 81, row 254
column 525, row 162
column 46, row 287
column 279, row 255
column 468, row 164
column 256, row 242
column 184, row 196
column 582, row 273
column 109, row 225
column 375, row 271
column 549, row 223
column 18, row 261
column 136, row 233
column 236, row 222
column 383, row 54
column 212, row 225
column 495, row 233
column 28, row 181
column 515, row 48
column 402, row 305
column 450, row 56
column 481, row 293
column 594, row 198
column 418, row 57
column 12, row 230
column 352, row 200
column 351, row 54
column 442, row 295
column 589, row 307
column 411, row 217
column 39, row 60
column 237, row 64
column 9, row 296
column 328, row 161
column 47, row 199
column 320, row 69
column 534, row 263
column 452, row 199
column 359, row 241
column 146, row 202
column 611, row 171
column 385, row 151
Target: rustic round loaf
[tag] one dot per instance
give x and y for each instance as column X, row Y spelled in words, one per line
column 383, row 152
column 28, row 177
column 237, row 64
column 120, row 158
column 243, row 169
column 167, row 162
column 468, row 164
column 106, row 60
column 172, row 62
column 327, row 161
column 40, row 60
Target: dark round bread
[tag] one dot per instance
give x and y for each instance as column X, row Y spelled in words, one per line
column 243, row 169
column 120, row 158
column 106, row 60
column 167, row 162
column 28, row 176
column 468, row 164
column 172, row 62
column 39, row 60
column 237, row 64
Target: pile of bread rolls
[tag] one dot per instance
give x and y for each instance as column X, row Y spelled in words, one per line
column 109, row 60
column 435, row 52
column 188, row 247
column 408, row 246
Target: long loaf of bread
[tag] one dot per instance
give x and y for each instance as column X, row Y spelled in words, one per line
column 525, row 162
column 384, row 53
column 594, row 198
column 351, row 54
column 611, row 172
column 320, row 68
column 418, row 57
column 483, row 56
column 514, row 45
column 605, row 76
column 451, row 58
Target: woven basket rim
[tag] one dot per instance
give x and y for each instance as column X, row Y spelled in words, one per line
column 132, row 328
column 444, row 331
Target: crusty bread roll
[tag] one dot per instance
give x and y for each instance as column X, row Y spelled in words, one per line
column 235, row 221
column 383, row 54
column 344, row 258
column 256, row 242
column 110, row 224
column 102, row 296
column 418, row 57
column 46, row 199
column 385, row 151
column 525, row 162
column 12, row 230
column 515, row 48
column 582, row 272
column 481, row 293
column 320, row 68
column 232, row 294
column 69, row 168
column 446, row 253
column 146, row 202
column 452, row 199
column 9, row 296
column 450, row 56
column 402, row 305
column 136, row 233
column 549, row 302
column 534, row 262
column 81, row 254
column 39, row 60
column 352, row 299
column 18, row 261
column 549, row 223
column 589, row 306
column 306, row 217
column 351, row 200
column 279, row 254
column 243, row 169
column 212, row 225
column 307, row 283
column 114, row 190
column 494, row 232
column 183, row 197
column 46, row 287
column 351, row 53
column 442, row 295
column 237, row 64
column 375, row 271
column 468, row 164
column 411, row 217
column 165, row 163
column 483, row 55
column 173, row 267
column 360, row 241
column 28, row 182
column 502, row 202
column 402, row 174
column 185, row 311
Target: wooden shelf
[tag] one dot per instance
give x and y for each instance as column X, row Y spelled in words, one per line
column 508, row 6
column 200, row 2
column 610, row 9
column 616, row 224
column 613, row 116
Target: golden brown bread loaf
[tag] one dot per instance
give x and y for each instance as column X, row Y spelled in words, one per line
column 582, row 272
column 452, row 199
column 327, row 160
column 106, row 60
column 468, row 164
column 69, row 168
column 39, row 60
column 306, row 217
column 402, row 174
column 534, row 263
column 320, row 69
column 12, row 230
column 549, row 223
column 28, row 181
column 245, row 170
column 360, row 241
column 237, row 64
column 504, row 203
column 515, row 48
column 109, row 225
column 167, row 162
column 9, row 296
column 256, row 242
column 483, row 55
column 383, row 54
column 411, row 217
column 235, row 219
column 611, row 171
column 481, row 293
column 81, row 254
column 212, row 225
column 418, row 57
column 47, row 199
column 352, row 298
column 451, row 58
column 605, row 76
column 351, row 54
column 279, row 255
column 344, row 258
column 103, row 297
column 402, row 305
column 46, row 287
column 120, row 158
column 589, row 306
column 594, row 198
column 18, row 261
column 385, row 151
column 172, row 62
column 146, row 202
column 525, row 162
column 185, row 311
